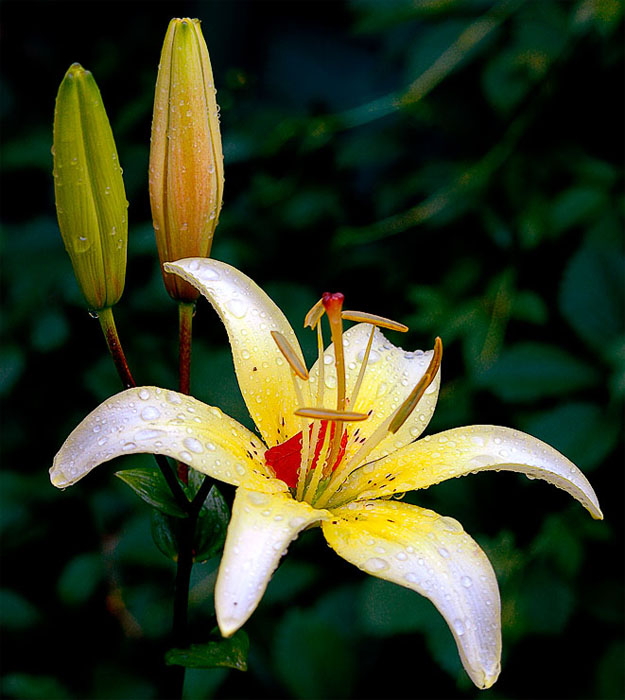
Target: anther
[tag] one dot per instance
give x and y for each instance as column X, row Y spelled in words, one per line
column 329, row 414
column 364, row 317
column 314, row 315
column 290, row 355
column 404, row 411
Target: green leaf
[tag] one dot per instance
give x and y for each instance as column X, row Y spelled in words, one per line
column 387, row 609
column 584, row 432
column 231, row 653
column 150, row 485
column 576, row 206
column 16, row 611
column 165, row 533
column 211, row 526
column 529, row 371
column 23, row 686
column 80, row 578
column 546, row 603
column 313, row 658
column 591, row 295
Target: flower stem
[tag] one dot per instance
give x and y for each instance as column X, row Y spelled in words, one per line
column 185, row 328
column 107, row 323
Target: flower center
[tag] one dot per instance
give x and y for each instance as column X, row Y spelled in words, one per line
column 312, row 462
column 285, row 459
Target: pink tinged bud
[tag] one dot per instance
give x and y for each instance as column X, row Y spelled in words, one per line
column 186, row 158
column 89, row 190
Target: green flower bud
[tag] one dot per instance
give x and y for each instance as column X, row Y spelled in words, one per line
column 91, row 201
column 186, row 158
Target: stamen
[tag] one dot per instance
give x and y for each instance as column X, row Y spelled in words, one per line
column 363, row 367
column 384, row 429
column 329, row 414
column 403, row 412
column 290, row 355
column 364, row 317
column 320, row 462
column 314, row 315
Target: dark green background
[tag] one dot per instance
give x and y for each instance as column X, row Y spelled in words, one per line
column 515, row 259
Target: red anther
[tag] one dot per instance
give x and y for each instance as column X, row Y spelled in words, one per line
column 332, row 302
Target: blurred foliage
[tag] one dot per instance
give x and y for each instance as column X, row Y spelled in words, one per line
column 454, row 164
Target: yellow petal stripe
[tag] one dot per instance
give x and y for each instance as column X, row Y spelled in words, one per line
column 261, row 528
column 264, row 376
column 464, row 451
column 158, row 421
column 432, row 555
column 390, row 375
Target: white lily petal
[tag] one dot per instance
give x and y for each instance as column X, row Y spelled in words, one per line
column 249, row 315
column 432, row 555
column 261, row 528
column 468, row 450
column 159, row 421
column 390, row 375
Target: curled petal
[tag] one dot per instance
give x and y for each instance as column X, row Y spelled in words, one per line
column 249, row 315
column 433, row 556
column 158, row 421
column 262, row 527
column 468, row 450
column 390, row 375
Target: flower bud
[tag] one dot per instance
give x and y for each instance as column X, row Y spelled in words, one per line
column 89, row 190
column 186, row 158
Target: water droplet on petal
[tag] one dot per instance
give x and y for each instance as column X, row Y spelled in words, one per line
column 459, row 627
column 144, row 394
column 237, row 307
column 150, row 413
column 193, row 445
column 376, row 564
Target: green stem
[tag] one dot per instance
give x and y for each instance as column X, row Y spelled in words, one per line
column 185, row 330
column 107, row 323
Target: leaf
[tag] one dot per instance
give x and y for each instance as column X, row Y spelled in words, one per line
column 231, row 653
column 150, row 485
column 80, row 578
column 165, row 533
column 313, row 658
column 591, row 295
column 529, row 371
column 211, row 527
column 17, row 612
column 584, row 432
column 387, row 609
column 24, row 686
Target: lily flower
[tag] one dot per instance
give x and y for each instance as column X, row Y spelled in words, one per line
column 336, row 443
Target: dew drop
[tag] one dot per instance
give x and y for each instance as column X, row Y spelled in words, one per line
column 237, row 307
column 466, row 581
column 376, row 564
column 257, row 498
column 193, row 445
column 150, row 413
